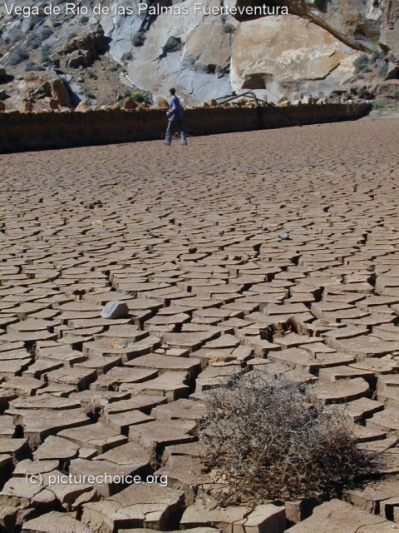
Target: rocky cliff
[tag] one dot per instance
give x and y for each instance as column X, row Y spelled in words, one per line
column 284, row 50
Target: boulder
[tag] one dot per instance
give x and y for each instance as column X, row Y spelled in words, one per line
column 3, row 73
column 25, row 106
column 393, row 70
column 2, row 106
column 299, row 57
column 60, row 92
column 115, row 310
column 85, row 49
column 82, row 107
column 53, row 105
column 78, row 58
column 386, row 89
column 162, row 103
column 129, row 104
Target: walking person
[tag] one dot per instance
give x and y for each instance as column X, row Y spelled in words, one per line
column 175, row 120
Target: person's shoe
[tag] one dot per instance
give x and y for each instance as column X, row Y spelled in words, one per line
column 184, row 144
column 166, row 144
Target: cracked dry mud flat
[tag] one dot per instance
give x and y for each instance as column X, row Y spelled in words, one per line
column 190, row 240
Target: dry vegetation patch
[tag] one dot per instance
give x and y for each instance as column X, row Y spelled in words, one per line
column 265, row 439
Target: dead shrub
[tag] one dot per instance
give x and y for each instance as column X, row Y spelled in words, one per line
column 265, row 439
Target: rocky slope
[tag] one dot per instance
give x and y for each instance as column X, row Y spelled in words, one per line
column 106, row 51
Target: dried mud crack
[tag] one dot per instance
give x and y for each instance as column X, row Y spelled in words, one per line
column 273, row 249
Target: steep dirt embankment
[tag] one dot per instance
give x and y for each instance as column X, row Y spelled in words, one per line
column 35, row 131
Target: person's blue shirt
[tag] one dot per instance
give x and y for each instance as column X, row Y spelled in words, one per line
column 175, row 109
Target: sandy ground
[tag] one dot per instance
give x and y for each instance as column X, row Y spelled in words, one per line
column 210, row 245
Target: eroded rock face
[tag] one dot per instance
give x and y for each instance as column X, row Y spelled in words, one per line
column 287, row 56
column 205, row 53
column 359, row 23
column 310, row 51
column 189, row 52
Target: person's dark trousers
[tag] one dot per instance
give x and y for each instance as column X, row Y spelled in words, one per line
column 175, row 125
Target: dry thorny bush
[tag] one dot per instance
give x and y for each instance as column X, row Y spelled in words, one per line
column 265, row 439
